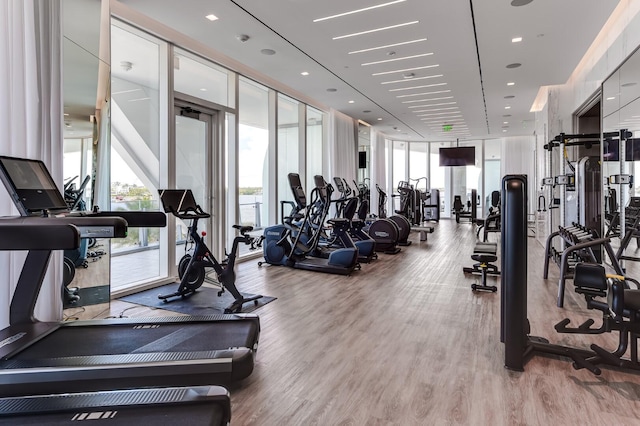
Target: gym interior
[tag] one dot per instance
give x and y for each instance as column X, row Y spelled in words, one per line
column 293, row 213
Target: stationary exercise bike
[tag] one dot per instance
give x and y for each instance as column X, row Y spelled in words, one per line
column 191, row 268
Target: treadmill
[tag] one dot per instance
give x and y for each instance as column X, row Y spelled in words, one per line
column 204, row 405
column 36, row 357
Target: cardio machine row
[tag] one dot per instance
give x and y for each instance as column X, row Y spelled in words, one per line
column 308, row 239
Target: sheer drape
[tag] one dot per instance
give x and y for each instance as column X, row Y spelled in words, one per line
column 31, row 122
column 342, row 146
column 378, row 175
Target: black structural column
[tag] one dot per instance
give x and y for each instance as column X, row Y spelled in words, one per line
column 513, row 297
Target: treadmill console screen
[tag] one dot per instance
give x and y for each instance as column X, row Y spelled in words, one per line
column 30, row 185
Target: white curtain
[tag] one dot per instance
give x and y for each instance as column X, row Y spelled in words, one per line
column 31, row 116
column 378, row 169
column 342, row 146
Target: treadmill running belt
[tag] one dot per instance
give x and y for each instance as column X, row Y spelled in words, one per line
column 131, row 338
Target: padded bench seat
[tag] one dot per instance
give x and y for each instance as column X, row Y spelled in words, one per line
column 490, row 248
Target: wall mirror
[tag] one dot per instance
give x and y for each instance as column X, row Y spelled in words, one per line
column 86, row 282
column 621, row 160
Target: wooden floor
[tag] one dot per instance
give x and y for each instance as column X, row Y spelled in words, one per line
column 405, row 341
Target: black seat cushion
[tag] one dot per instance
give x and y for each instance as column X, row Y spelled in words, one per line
column 491, row 248
column 632, row 300
column 484, row 257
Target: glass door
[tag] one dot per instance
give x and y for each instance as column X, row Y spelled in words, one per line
column 194, row 140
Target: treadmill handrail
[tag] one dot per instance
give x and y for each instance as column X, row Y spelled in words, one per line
column 34, row 233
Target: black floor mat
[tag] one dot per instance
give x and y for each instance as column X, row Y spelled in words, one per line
column 90, row 296
column 204, row 301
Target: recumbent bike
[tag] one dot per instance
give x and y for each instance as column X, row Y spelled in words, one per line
column 191, row 268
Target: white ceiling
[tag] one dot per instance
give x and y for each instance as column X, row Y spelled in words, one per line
column 467, row 48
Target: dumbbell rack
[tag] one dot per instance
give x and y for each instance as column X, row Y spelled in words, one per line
column 578, row 242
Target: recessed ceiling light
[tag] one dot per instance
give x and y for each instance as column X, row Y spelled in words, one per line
column 424, row 93
column 516, row 40
column 331, row 89
column 504, row 130
column 397, row 59
column 203, row 89
column 507, row 107
column 358, row 10
column 406, row 69
column 432, row 105
column 611, row 98
column 375, row 30
column 511, row 83
column 411, row 78
column 520, row 2
column 418, row 87
column 268, row 52
column 211, row 17
column 505, row 122
column 514, row 65
column 66, row 114
column 436, row 109
column 304, row 73
column 428, row 100
column 351, row 102
column 386, row 46
column 379, row 118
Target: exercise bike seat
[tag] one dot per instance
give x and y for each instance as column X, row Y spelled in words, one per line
column 243, row 229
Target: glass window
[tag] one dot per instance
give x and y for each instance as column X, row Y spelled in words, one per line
column 288, row 153
column 314, row 145
column 492, row 177
column 200, row 78
column 253, row 155
column 418, row 160
column 438, row 176
column 399, row 161
column 135, row 149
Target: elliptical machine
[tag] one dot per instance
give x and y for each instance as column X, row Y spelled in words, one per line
column 362, row 241
column 191, row 268
column 383, row 230
column 294, row 243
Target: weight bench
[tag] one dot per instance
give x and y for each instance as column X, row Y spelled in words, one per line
column 484, row 254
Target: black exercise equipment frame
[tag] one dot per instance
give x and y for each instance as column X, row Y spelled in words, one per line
column 191, row 268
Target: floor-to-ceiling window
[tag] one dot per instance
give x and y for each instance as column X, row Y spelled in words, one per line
column 438, row 178
column 399, row 169
column 136, row 81
column 418, row 165
column 253, row 155
column 288, row 149
column 314, row 145
column 491, row 170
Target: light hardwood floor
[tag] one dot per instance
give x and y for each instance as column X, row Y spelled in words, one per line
column 405, row 341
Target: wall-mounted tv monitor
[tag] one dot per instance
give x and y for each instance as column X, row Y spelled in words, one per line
column 362, row 159
column 611, row 150
column 459, row 156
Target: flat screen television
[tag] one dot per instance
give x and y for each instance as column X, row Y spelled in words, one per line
column 459, row 156
column 362, row 159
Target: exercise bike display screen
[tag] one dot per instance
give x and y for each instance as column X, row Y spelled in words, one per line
column 30, row 185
